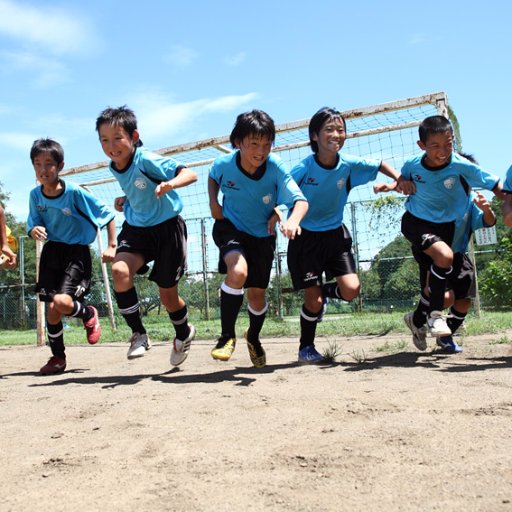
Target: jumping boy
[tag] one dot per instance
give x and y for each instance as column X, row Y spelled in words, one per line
column 442, row 179
column 7, row 244
column 153, row 229
column 253, row 181
column 326, row 178
column 67, row 218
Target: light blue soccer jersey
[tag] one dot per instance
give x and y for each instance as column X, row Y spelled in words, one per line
column 147, row 170
column 472, row 220
column 71, row 218
column 507, row 186
column 327, row 189
column 249, row 201
column 440, row 194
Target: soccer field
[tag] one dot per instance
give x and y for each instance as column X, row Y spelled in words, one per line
column 384, row 427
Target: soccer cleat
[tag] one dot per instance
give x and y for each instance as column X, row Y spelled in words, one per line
column 419, row 334
column 92, row 327
column 310, row 355
column 437, row 325
column 256, row 353
column 448, row 345
column 139, row 343
column 54, row 365
column 224, row 349
column 180, row 349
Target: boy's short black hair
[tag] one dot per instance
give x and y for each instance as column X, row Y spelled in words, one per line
column 255, row 122
column 434, row 124
column 47, row 145
column 121, row 116
column 318, row 120
column 469, row 157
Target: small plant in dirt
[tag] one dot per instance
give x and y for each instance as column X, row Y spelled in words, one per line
column 359, row 356
column 390, row 348
column 332, row 351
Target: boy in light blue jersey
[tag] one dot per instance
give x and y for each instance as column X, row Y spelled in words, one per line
column 153, row 229
column 506, row 207
column 325, row 246
column 253, row 182
column 67, row 217
column 442, row 179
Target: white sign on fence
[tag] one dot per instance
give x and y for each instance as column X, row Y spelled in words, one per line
column 486, row 236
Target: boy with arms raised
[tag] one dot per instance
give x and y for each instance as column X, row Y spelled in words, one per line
column 442, row 179
column 325, row 246
column 67, row 218
column 153, row 229
column 253, row 182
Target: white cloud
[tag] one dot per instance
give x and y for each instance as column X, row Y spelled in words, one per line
column 21, row 141
column 47, row 71
column 54, row 29
column 158, row 116
column 181, row 56
column 236, row 60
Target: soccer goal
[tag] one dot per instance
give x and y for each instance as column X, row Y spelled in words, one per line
column 386, row 131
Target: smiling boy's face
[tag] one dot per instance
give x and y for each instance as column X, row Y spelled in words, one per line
column 117, row 144
column 438, row 148
column 331, row 136
column 254, row 150
column 46, row 168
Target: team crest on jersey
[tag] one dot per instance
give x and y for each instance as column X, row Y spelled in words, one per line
column 266, row 199
column 449, row 182
column 66, row 211
column 340, row 183
column 140, row 183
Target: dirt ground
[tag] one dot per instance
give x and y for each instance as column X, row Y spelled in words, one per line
column 375, row 430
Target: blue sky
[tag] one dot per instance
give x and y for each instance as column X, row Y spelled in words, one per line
column 188, row 68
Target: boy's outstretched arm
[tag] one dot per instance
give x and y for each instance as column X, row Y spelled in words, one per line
column 483, row 203
column 110, row 252
column 290, row 228
column 213, row 195
column 402, row 185
column 184, row 177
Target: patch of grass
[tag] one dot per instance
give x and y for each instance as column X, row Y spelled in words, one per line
column 502, row 340
column 352, row 324
column 392, row 348
column 332, row 351
column 359, row 356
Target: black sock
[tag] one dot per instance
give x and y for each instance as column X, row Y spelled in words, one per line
column 55, row 334
column 128, row 304
column 81, row 311
column 437, row 283
column 455, row 320
column 231, row 300
column 308, row 321
column 256, row 320
column 179, row 321
column 331, row 290
column 420, row 314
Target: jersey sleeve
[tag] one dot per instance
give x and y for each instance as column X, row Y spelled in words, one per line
column 92, row 208
column 507, row 186
column 34, row 219
column 288, row 192
column 362, row 170
column 160, row 168
column 478, row 177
